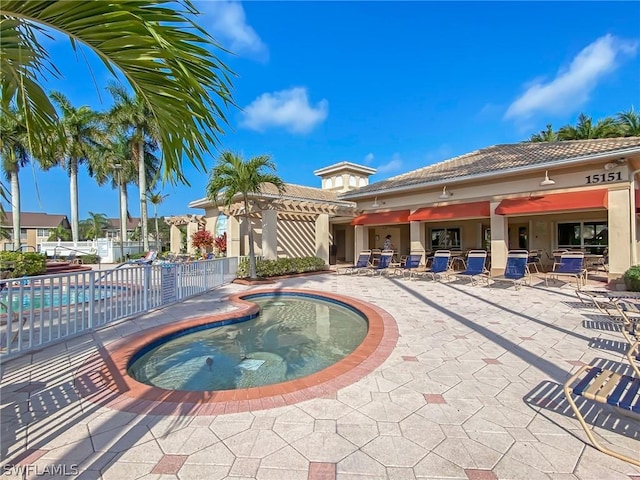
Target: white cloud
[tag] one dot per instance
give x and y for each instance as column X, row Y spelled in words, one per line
column 227, row 23
column 368, row 158
column 572, row 87
column 288, row 109
column 392, row 165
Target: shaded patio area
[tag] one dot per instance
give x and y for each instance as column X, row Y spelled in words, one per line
column 472, row 390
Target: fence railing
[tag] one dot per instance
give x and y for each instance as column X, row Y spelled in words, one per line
column 36, row 311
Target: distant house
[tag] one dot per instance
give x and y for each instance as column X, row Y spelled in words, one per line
column 35, row 228
column 113, row 232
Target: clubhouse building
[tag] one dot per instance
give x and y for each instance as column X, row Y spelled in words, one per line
column 543, row 196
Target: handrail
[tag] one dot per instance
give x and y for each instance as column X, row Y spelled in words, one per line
column 55, row 252
column 27, row 247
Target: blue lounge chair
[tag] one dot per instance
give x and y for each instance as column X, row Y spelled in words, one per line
column 411, row 264
column 439, row 265
column 476, row 260
column 362, row 263
column 383, row 263
column 571, row 265
column 516, row 270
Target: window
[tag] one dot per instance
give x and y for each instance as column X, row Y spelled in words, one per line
column 591, row 236
column 352, row 181
column 42, row 232
column 337, row 181
column 445, row 238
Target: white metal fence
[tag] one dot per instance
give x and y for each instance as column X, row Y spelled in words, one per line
column 36, row 311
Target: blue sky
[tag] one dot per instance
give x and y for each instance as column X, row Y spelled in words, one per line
column 392, row 85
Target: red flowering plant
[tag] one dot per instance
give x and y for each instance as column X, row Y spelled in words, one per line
column 202, row 240
column 220, row 243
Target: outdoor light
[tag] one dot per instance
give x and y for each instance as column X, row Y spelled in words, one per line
column 445, row 194
column 375, row 203
column 547, row 181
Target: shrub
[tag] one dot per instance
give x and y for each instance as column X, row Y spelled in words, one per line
column 202, row 240
column 19, row 264
column 90, row 258
column 281, row 266
column 632, row 279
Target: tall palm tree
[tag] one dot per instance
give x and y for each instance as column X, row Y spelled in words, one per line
column 232, row 176
column 585, row 129
column 95, row 226
column 171, row 64
column 547, row 135
column 132, row 114
column 629, row 122
column 15, row 155
column 156, row 200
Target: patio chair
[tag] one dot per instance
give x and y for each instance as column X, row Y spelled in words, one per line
column 383, row 263
column 361, row 263
column 516, row 270
column 476, row 260
column 148, row 259
column 439, row 265
column 571, row 265
column 411, row 264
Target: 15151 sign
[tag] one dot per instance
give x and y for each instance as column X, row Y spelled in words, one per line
column 604, row 177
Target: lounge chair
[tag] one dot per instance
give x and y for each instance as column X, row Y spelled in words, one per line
column 411, row 265
column 383, row 263
column 439, row 265
column 148, row 259
column 516, row 270
column 476, row 260
column 571, row 265
column 362, row 263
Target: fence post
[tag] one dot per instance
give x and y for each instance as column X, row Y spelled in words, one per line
column 92, row 298
column 147, row 286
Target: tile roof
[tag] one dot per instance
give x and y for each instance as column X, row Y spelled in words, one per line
column 303, row 193
column 501, row 157
column 132, row 223
column 35, row 220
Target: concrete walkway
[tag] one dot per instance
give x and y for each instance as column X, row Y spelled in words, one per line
column 471, row 391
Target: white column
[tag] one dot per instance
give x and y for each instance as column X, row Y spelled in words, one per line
column 176, row 239
column 361, row 240
column 620, row 241
column 322, row 237
column 233, row 237
column 499, row 239
column 417, row 238
column 192, row 227
column 270, row 234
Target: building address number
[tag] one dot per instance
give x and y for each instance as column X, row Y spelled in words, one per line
column 604, row 177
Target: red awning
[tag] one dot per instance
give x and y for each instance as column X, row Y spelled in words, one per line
column 554, row 203
column 452, row 212
column 397, row 216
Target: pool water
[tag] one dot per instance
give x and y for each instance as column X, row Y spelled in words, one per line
column 294, row 336
column 38, row 297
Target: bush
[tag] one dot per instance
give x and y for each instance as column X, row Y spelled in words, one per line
column 281, row 266
column 19, row 264
column 88, row 259
column 632, row 279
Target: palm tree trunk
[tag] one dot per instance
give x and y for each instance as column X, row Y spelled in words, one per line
column 73, row 193
column 123, row 217
column 252, row 253
column 15, row 208
column 155, row 214
column 142, row 181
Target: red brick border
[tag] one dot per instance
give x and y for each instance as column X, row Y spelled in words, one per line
column 103, row 378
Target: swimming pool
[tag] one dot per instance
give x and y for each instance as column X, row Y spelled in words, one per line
column 53, row 296
column 293, row 335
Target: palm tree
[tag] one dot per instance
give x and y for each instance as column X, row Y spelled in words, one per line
column 156, row 200
column 232, row 176
column 94, row 226
column 585, row 129
column 80, row 144
column 156, row 45
column 15, row 155
column 629, row 122
column 59, row 233
column 132, row 114
column 547, row 135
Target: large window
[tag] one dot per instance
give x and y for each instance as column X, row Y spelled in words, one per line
column 590, row 236
column 42, row 232
column 445, row 238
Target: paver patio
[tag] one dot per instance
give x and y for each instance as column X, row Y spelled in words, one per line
column 471, row 391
